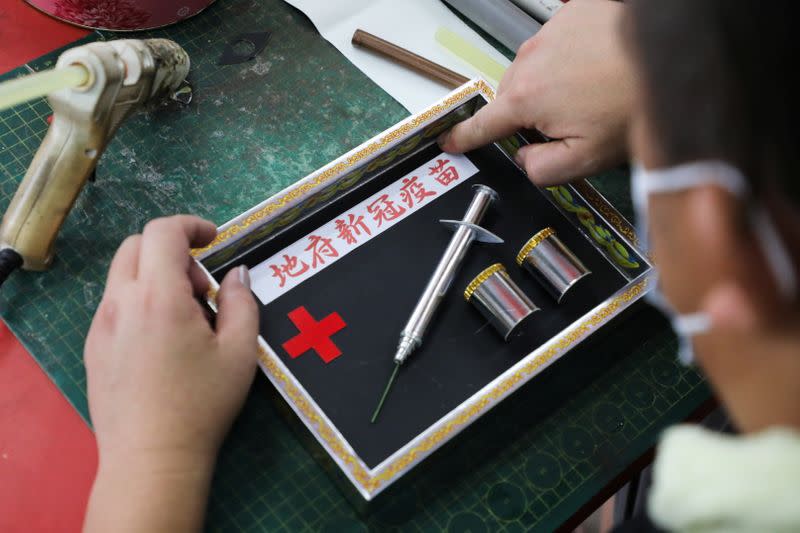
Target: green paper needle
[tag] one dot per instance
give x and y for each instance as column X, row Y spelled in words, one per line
column 385, row 393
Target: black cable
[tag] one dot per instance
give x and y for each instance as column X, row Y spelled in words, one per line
column 9, row 262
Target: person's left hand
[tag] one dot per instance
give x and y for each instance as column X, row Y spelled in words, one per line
column 160, row 379
column 163, row 386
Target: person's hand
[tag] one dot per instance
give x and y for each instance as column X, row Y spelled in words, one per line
column 163, row 386
column 573, row 83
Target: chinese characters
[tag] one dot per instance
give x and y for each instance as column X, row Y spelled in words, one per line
column 364, row 221
column 445, row 172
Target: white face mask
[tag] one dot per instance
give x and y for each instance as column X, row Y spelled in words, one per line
column 687, row 176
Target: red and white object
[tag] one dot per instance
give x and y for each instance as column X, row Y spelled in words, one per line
column 121, row 15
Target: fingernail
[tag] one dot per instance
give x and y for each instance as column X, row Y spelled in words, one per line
column 518, row 159
column 244, row 276
column 443, row 138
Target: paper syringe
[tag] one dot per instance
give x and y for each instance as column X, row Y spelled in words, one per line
column 467, row 231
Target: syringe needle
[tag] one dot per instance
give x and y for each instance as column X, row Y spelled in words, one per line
column 385, row 393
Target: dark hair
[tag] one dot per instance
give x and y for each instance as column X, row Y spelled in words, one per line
column 715, row 74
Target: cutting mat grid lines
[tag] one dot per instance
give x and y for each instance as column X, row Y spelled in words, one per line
column 251, row 130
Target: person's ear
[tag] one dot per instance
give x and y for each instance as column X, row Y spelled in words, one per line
column 730, row 307
column 693, row 243
column 723, row 227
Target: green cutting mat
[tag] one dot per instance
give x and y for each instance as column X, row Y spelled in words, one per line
column 251, row 130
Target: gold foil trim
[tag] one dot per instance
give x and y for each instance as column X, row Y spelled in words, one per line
column 356, row 467
column 490, row 397
column 607, row 211
column 313, row 417
column 480, row 278
column 532, row 243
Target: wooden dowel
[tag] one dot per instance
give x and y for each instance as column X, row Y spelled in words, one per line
column 408, row 59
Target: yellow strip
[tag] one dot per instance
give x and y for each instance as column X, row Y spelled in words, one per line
column 466, row 51
column 533, row 243
column 24, row 88
column 480, row 278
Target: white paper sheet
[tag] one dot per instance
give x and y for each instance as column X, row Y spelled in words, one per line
column 410, row 24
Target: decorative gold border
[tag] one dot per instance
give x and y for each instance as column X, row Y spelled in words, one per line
column 326, row 175
column 480, row 278
column 372, row 483
column 314, row 418
column 337, row 446
column 608, row 212
column 533, row 242
column 555, row 348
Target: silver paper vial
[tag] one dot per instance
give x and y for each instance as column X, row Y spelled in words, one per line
column 553, row 264
column 499, row 299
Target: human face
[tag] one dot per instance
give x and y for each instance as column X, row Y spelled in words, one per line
column 714, row 260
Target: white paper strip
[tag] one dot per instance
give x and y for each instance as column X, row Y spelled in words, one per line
column 327, row 244
column 411, row 24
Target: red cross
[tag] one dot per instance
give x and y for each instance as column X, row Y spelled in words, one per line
column 314, row 335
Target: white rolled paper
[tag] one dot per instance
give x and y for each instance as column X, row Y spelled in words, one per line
column 541, row 10
column 499, row 18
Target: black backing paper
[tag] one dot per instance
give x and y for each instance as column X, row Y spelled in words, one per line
column 375, row 287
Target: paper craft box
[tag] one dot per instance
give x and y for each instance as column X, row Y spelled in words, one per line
column 339, row 259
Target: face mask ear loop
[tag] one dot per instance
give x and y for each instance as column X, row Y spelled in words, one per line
column 685, row 352
column 680, row 178
column 691, row 175
column 639, row 199
column 686, row 327
column 691, row 324
column 673, row 179
column 775, row 252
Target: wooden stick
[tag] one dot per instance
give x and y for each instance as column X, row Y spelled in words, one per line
column 408, row 59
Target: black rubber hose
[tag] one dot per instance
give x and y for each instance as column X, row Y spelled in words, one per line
column 9, row 262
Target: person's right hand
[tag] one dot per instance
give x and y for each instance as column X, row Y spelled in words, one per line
column 571, row 81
